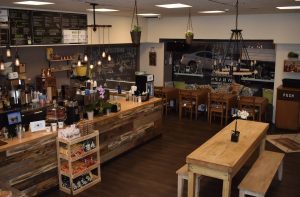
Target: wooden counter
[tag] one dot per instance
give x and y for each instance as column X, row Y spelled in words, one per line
column 30, row 165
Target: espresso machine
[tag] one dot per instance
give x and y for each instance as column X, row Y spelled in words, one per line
column 145, row 83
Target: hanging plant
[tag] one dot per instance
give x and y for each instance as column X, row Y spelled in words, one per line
column 189, row 35
column 135, row 28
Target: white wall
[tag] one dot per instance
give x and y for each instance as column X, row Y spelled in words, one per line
column 119, row 33
column 282, row 28
column 282, row 51
column 158, row 70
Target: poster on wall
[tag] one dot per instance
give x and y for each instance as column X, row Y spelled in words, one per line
column 152, row 57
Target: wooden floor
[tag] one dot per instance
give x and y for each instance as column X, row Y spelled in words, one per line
column 149, row 170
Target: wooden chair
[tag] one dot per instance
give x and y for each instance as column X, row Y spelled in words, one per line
column 158, row 92
column 187, row 101
column 247, row 103
column 216, row 105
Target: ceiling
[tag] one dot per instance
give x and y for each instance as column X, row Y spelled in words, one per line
column 148, row 6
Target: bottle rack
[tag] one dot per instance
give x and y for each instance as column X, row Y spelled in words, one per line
column 78, row 163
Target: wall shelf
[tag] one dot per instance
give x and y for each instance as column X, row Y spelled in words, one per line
column 189, row 74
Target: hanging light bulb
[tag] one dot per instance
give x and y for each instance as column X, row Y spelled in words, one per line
column 85, row 58
column 103, row 54
column 2, row 67
column 17, row 60
column 109, row 58
column 8, row 51
column 99, row 62
column 91, row 66
column 79, row 61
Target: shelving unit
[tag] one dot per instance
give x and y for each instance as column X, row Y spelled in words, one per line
column 60, row 68
column 73, row 182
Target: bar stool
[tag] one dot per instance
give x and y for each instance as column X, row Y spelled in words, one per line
column 183, row 175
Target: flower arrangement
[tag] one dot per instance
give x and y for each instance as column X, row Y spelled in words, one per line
column 235, row 133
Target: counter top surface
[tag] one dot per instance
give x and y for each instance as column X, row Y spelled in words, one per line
column 126, row 106
column 27, row 138
column 30, row 137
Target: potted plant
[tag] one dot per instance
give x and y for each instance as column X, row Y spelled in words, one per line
column 90, row 110
column 135, row 29
column 189, row 35
column 293, row 55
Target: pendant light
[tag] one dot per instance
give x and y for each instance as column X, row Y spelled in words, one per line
column 79, row 61
column 17, row 59
column 8, row 51
column 2, row 67
column 108, row 57
column 85, row 58
column 99, row 62
column 103, row 53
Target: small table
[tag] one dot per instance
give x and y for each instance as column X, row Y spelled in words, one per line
column 222, row 159
column 259, row 102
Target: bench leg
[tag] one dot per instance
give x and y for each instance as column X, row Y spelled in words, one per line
column 197, row 187
column 280, row 171
column 242, row 193
column 180, row 186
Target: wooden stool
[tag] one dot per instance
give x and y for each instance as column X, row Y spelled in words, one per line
column 260, row 176
column 183, row 175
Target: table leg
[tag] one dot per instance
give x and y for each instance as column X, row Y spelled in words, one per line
column 226, row 115
column 191, row 184
column 260, row 113
column 180, row 111
column 226, row 188
column 262, row 145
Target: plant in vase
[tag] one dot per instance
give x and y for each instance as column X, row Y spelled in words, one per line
column 135, row 28
column 235, row 133
column 189, row 36
column 90, row 110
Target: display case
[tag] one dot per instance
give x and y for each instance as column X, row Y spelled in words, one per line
column 78, row 163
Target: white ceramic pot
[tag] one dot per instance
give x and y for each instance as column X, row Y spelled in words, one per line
column 90, row 115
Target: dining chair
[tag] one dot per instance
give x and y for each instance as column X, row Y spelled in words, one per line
column 247, row 103
column 216, row 105
column 158, row 92
column 187, row 101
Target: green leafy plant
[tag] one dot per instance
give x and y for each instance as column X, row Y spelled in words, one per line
column 293, row 55
column 136, row 28
column 189, row 33
column 90, row 107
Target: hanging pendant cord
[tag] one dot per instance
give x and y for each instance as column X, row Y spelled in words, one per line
column 237, row 14
column 189, row 24
column 134, row 15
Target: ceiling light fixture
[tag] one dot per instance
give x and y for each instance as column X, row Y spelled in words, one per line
column 288, row 8
column 174, row 5
column 103, row 10
column 211, row 12
column 148, row 14
column 33, row 3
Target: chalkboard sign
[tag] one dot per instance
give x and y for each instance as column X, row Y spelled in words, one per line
column 46, row 27
column 123, row 65
column 217, row 80
column 74, row 21
column 20, row 27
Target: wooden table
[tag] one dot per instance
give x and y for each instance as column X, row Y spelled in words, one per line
column 259, row 102
column 222, row 159
column 229, row 100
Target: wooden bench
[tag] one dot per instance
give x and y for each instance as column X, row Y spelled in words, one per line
column 260, row 176
column 183, row 175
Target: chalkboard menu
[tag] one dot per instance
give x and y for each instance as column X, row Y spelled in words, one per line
column 20, row 26
column 74, row 21
column 46, row 27
column 39, row 27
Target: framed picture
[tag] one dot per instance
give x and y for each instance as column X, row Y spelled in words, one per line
column 291, row 66
column 152, row 57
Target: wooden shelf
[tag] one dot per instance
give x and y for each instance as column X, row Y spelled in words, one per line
column 90, row 152
column 79, row 139
column 74, row 176
column 70, row 160
column 94, row 182
column 258, row 80
column 60, row 60
column 189, row 74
